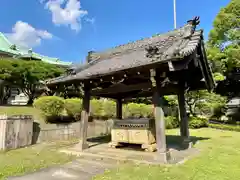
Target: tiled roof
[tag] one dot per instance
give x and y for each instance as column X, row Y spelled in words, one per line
column 175, row 44
column 5, row 47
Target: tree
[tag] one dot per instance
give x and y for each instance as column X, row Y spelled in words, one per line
column 27, row 75
column 224, row 38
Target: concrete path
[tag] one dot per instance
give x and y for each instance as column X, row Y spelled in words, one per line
column 97, row 159
column 81, row 169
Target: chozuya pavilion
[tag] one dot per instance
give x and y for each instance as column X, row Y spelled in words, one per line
column 170, row 63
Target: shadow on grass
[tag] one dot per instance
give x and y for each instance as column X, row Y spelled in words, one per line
column 176, row 142
column 99, row 140
column 173, row 141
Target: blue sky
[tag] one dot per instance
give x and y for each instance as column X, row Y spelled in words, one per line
column 68, row 29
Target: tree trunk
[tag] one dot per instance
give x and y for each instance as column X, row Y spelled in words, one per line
column 30, row 101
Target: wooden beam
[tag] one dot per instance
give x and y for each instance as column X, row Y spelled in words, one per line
column 206, row 70
column 120, row 88
column 180, row 64
column 84, row 118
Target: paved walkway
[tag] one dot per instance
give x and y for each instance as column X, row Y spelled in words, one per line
column 97, row 159
column 80, row 169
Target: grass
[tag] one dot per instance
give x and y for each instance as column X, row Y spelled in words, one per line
column 219, row 159
column 228, row 127
column 30, row 159
column 22, row 110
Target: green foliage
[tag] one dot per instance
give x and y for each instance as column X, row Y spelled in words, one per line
column 96, row 108
column 197, row 122
column 203, row 102
column 218, row 76
column 172, row 100
column 218, row 111
column 133, row 110
column 225, row 127
column 73, row 107
column 27, row 74
column 50, row 106
column 108, row 108
column 224, row 43
column 226, row 24
column 171, row 122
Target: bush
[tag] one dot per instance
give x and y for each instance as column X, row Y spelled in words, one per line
column 50, row 106
column 73, row 107
column 218, row 111
column 133, row 110
column 197, row 122
column 225, row 127
column 171, row 122
column 108, row 109
column 96, row 108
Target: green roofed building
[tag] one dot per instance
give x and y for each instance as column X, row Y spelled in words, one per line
column 8, row 49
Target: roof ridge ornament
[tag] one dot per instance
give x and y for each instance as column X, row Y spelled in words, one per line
column 195, row 21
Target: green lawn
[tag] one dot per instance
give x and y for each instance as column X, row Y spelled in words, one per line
column 21, row 110
column 20, row 161
column 219, row 159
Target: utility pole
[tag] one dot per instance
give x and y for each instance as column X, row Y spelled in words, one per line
column 175, row 14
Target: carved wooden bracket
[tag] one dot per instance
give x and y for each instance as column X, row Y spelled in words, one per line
column 152, row 77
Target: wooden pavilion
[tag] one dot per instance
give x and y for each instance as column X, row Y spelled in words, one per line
column 164, row 64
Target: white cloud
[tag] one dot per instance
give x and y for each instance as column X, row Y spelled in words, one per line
column 66, row 12
column 90, row 20
column 23, row 34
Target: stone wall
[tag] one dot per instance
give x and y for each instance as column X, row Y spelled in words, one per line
column 56, row 132
column 21, row 131
column 15, row 131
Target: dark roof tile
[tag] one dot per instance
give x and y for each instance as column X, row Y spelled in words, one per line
column 175, row 44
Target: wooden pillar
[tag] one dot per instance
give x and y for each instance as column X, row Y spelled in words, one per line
column 163, row 154
column 159, row 122
column 84, row 119
column 119, row 109
column 184, row 129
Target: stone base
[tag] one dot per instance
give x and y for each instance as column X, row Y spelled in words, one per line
column 149, row 147
column 82, row 146
column 114, row 144
column 163, row 157
column 186, row 144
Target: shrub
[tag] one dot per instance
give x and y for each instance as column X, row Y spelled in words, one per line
column 133, row 110
column 73, row 107
column 171, row 122
column 108, row 109
column 50, row 106
column 197, row 122
column 218, row 111
column 225, row 127
column 96, row 108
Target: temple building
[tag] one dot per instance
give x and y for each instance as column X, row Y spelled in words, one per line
column 8, row 49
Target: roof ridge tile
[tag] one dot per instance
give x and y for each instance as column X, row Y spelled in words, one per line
column 183, row 32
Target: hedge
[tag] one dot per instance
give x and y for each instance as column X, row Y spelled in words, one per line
column 106, row 109
column 225, row 127
column 73, row 107
column 197, row 122
column 50, row 105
